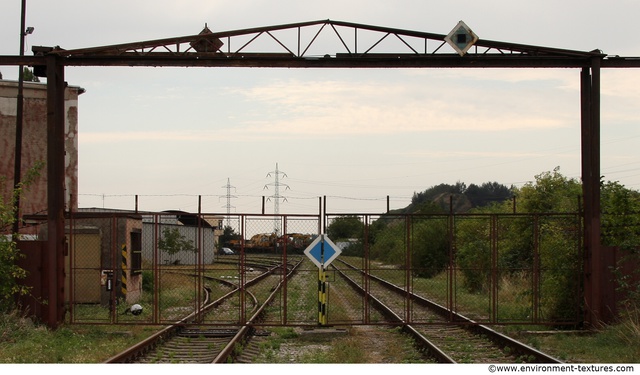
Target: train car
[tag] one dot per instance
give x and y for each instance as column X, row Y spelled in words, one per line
column 265, row 242
column 299, row 241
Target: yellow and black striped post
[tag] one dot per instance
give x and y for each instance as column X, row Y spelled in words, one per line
column 322, row 296
column 123, row 277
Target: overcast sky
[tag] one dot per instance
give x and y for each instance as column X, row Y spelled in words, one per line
column 170, row 135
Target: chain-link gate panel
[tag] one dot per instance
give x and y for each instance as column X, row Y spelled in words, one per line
column 220, row 270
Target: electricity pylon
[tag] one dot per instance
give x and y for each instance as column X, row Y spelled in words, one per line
column 276, row 196
column 228, row 206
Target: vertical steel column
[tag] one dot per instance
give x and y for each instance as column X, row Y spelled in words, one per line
column 55, row 190
column 113, row 265
column 599, row 267
column 199, row 263
column 366, row 265
column 283, row 278
column 495, row 277
column 320, row 216
column 594, row 266
column 156, row 269
column 242, row 286
column 72, row 264
column 535, row 287
column 407, row 268
column 17, row 169
column 585, row 128
column 323, row 228
column 451, row 272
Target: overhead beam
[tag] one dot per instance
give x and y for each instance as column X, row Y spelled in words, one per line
column 278, row 60
column 273, row 60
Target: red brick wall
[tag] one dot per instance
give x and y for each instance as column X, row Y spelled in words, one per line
column 34, row 142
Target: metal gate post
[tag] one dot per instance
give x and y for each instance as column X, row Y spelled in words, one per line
column 594, row 283
column 55, row 190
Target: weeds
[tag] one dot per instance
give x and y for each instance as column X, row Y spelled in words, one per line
column 628, row 329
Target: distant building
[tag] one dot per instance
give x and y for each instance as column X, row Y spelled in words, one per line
column 34, row 142
column 201, row 231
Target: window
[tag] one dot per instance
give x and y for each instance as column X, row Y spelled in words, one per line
column 136, row 252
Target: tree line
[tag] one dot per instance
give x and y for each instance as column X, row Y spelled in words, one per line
column 543, row 233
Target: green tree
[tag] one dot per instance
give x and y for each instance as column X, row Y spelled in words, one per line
column 556, row 241
column 621, row 228
column 551, row 192
column 620, row 215
column 228, row 234
column 345, row 227
column 487, row 193
column 464, row 197
column 348, row 228
column 172, row 242
column 473, row 256
column 518, row 237
column 28, row 76
column 430, row 242
column 10, row 273
column 388, row 240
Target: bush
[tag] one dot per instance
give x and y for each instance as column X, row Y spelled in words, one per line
column 431, row 246
column 147, row 281
column 10, row 273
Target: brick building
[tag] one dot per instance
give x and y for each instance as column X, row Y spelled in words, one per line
column 34, row 142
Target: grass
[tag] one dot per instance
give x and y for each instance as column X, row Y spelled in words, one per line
column 21, row 341
column 616, row 343
column 359, row 345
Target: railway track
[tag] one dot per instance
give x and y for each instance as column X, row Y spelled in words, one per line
column 193, row 340
column 462, row 342
column 445, row 336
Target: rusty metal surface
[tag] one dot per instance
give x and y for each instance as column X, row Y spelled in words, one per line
column 348, row 31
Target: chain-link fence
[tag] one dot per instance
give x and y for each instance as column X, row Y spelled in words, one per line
column 158, row 268
column 493, row 269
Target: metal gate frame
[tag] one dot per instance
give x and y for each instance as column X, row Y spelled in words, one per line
column 118, row 268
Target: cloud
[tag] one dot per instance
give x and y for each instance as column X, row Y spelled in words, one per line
column 405, row 103
column 444, row 154
column 367, row 107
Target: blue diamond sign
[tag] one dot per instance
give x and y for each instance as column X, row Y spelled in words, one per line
column 461, row 38
column 322, row 251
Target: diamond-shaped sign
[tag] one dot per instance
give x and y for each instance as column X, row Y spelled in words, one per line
column 322, row 251
column 461, row 38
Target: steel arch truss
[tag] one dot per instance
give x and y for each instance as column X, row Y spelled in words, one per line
column 325, row 43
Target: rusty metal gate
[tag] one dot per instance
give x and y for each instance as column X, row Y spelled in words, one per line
column 155, row 268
